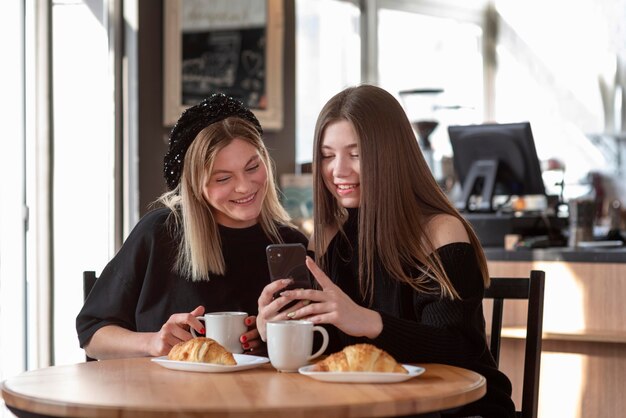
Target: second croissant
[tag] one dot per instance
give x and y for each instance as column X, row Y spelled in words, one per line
column 360, row 358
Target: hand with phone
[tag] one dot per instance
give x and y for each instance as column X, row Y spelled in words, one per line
column 288, row 271
column 331, row 305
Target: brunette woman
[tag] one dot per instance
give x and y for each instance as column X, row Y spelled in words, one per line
column 397, row 265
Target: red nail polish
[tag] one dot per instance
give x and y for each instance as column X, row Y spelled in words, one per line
column 247, row 321
column 202, row 331
column 243, row 338
column 246, row 345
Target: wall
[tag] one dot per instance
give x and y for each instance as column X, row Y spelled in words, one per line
column 152, row 135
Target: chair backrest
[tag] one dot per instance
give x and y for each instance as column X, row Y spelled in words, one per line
column 89, row 279
column 532, row 289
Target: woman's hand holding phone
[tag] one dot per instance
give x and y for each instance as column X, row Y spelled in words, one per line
column 271, row 308
column 332, row 306
column 287, row 268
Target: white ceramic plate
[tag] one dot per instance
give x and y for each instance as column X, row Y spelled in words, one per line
column 244, row 362
column 363, row 377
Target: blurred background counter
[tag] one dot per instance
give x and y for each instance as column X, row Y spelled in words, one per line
column 563, row 254
column 584, row 332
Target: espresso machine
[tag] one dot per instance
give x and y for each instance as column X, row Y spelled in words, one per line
column 421, row 106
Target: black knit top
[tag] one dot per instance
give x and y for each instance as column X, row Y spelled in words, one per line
column 139, row 290
column 426, row 328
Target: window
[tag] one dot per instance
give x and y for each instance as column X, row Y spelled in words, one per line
column 12, row 226
column 551, row 78
column 83, row 161
column 328, row 59
column 420, row 51
column 78, row 148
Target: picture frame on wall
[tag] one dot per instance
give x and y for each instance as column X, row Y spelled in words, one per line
column 233, row 47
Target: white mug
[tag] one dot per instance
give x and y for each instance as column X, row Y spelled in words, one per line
column 289, row 344
column 226, row 328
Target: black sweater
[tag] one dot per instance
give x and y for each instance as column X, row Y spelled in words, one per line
column 425, row 328
column 139, row 290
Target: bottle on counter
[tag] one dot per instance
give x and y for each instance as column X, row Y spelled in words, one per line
column 615, row 222
column 582, row 213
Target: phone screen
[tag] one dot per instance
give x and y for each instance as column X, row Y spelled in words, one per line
column 287, row 261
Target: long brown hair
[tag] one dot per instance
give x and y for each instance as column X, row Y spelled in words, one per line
column 398, row 194
column 200, row 249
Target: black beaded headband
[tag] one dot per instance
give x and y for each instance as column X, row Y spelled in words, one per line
column 215, row 108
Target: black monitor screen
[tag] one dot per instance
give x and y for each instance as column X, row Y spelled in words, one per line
column 495, row 159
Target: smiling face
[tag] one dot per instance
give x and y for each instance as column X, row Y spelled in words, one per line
column 341, row 166
column 237, row 185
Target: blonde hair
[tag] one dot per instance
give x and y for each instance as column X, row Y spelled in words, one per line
column 200, row 248
column 398, row 195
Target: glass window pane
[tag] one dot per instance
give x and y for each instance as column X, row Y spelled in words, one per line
column 328, row 59
column 417, row 51
column 559, row 75
column 83, row 162
column 12, row 232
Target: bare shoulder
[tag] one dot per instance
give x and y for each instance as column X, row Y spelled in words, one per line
column 445, row 229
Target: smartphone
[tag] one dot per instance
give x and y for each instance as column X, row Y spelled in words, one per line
column 287, row 261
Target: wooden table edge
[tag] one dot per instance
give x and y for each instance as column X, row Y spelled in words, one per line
column 54, row 408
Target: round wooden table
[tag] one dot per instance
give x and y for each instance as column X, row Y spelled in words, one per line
column 141, row 388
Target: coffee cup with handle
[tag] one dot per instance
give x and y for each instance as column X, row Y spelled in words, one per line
column 226, row 328
column 290, row 343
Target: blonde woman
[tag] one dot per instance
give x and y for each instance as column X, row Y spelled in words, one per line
column 203, row 251
column 398, row 266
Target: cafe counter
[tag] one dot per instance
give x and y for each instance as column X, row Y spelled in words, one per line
column 566, row 254
column 583, row 363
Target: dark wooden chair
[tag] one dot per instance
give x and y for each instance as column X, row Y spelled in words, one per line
column 532, row 289
column 89, row 279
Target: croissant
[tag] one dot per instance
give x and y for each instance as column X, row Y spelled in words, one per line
column 360, row 358
column 202, row 350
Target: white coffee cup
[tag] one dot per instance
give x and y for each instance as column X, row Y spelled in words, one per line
column 289, row 344
column 225, row 327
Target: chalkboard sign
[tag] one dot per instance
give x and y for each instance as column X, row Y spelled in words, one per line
column 228, row 46
column 225, row 60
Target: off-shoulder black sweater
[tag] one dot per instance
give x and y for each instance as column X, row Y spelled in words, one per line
column 426, row 328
